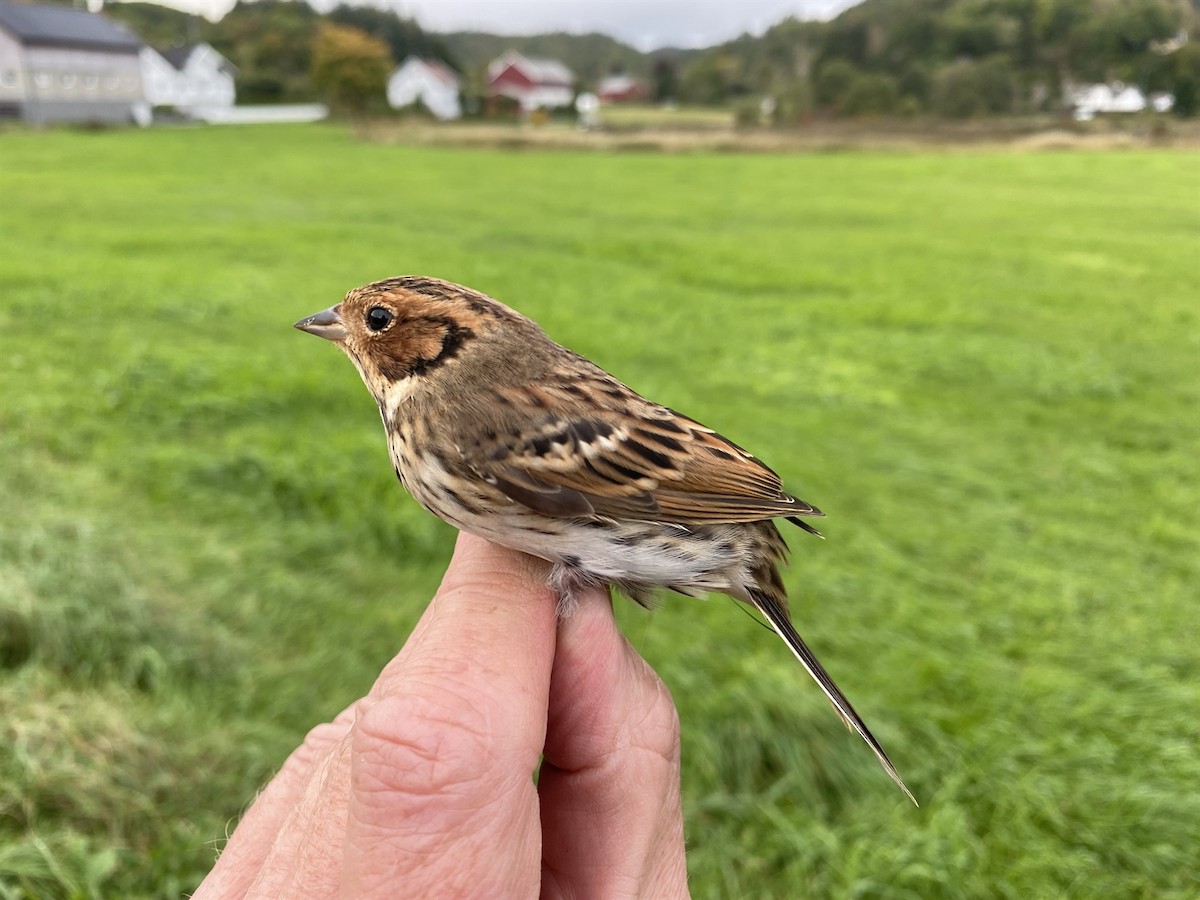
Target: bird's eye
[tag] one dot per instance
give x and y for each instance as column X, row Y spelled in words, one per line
column 379, row 318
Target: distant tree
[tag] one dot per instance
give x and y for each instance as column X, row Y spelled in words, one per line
column 349, row 68
column 973, row 33
column 767, row 65
column 794, row 102
column 261, row 89
column 1024, row 12
column 404, row 37
column 1114, row 41
column 870, row 94
column 710, row 79
column 664, row 80
column 833, row 81
column 848, row 39
column 916, row 36
column 965, row 88
column 270, row 41
column 914, row 84
column 1134, row 24
column 954, row 91
column 997, row 85
column 1057, row 26
column 1185, row 79
column 159, row 26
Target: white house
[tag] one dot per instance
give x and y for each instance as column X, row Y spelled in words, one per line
column 533, row 83
column 430, row 81
column 59, row 64
column 195, row 79
column 158, row 77
column 1092, row 99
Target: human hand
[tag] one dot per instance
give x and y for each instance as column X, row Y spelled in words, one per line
column 425, row 787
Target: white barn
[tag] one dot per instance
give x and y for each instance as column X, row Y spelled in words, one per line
column 195, row 79
column 59, row 64
column 429, row 81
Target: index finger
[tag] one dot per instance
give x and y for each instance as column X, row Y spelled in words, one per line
column 490, row 627
column 446, row 743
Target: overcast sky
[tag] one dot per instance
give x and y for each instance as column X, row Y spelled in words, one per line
column 644, row 23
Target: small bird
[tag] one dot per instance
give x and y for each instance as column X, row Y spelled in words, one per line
column 505, row 434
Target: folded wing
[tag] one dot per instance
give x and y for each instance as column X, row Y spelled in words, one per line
column 632, row 459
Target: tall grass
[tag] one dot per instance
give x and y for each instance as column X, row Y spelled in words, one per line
column 983, row 366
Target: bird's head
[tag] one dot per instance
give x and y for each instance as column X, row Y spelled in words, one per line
column 399, row 330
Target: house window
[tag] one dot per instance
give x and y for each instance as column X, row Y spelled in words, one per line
column 42, row 80
column 67, row 80
column 8, row 78
column 91, row 82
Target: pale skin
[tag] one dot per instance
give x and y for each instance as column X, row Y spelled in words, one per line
column 425, row 787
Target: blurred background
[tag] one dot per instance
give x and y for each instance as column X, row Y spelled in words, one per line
column 935, row 262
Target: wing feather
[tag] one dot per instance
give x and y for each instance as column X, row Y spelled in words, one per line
column 624, row 458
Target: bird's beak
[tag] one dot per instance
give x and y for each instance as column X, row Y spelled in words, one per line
column 327, row 324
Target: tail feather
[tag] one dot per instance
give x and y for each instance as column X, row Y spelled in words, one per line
column 778, row 617
column 799, row 522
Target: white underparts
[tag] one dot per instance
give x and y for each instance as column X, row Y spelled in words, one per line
column 567, row 583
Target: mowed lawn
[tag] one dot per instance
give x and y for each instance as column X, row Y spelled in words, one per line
column 985, row 367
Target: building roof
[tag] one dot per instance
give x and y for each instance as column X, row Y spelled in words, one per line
column 436, row 68
column 539, row 71
column 61, row 26
column 179, row 56
column 617, row 84
column 443, row 71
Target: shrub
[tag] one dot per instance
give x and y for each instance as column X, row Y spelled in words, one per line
column 1185, row 80
column 870, row 94
column 833, row 80
column 964, row 88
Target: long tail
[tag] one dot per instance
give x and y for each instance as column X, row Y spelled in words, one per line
column 782, row 624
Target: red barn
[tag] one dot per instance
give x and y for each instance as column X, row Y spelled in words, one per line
column 533, row 83
column 622, row 89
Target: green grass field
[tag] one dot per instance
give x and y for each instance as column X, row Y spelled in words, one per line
column 984, row 366
column 636, row 115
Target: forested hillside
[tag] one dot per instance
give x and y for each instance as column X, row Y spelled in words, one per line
column 950, row 58
column 955, row 58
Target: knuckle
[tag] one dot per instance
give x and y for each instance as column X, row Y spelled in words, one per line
column 315, row 747
column 410, row 750
column 658, row 730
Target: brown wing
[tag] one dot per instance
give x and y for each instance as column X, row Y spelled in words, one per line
column 612, row 453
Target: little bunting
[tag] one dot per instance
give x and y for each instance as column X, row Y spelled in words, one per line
column 505, row 434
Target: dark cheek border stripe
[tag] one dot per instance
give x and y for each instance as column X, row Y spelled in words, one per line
column 453, row 338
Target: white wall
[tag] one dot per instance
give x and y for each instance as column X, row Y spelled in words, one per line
column 159, row 78
column 12, row 69
column 412, row 82
column 206, row 85
column 200, row 85
column 65, row 74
